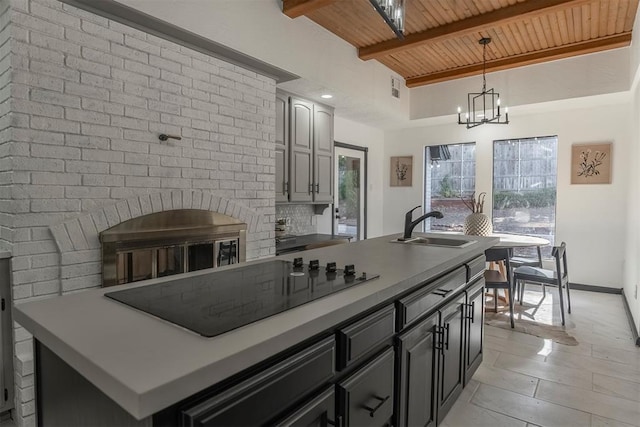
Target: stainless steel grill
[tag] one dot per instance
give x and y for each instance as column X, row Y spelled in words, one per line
column 168, row 243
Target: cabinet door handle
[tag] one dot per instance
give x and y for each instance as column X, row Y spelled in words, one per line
column 285, row 187
column 438, row 333
column 310, row 188
column 372, row 411
column 470, row 311
column 446, row 343
column 337, row 422
column 317, row 188
column 473, row 311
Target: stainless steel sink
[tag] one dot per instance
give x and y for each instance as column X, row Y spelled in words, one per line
column 436, row 241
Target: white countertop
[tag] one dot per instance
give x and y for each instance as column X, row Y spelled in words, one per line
column 146, row 364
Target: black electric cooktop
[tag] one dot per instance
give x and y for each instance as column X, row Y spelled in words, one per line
column 220, row 301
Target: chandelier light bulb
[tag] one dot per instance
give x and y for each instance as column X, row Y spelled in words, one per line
column 459, row 110
column 498, row 102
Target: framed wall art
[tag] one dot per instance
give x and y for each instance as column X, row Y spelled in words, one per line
column 591, row 163
column 401, row 171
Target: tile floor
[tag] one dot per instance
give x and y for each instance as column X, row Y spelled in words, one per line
column 529, row 381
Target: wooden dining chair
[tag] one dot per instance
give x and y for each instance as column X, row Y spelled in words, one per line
column 495, row 279
column 558, row 277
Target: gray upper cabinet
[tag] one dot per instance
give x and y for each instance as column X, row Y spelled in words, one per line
column 304, row 151
column 282, row 148
column 323, row 154
column 301, row 146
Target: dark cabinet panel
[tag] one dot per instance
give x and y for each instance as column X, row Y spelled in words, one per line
column 366, row 397
column 451, row 355
column 282, row 147
column 475, row 268
column 419, row 303
column 474, row 328
column 364, row 336
column 417, row 375
column 266, row 395
column 301, row 150
column 323, row 154
column 318, row 412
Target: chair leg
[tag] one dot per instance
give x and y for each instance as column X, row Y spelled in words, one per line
column 568, row 300
column 511, row 298
column 495, row 300
column 522, row 283
column 544, row 291
column 561, row 302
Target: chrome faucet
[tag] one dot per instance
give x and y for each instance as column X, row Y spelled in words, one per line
column 410, row 225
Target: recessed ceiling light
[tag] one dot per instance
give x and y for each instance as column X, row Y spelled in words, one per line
column 326, row 96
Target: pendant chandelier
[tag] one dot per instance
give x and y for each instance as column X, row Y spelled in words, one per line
column 392, row 11
column 483, row 107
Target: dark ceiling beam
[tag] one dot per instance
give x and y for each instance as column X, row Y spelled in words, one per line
column 551, row 54
column 482, row 22
column 295, row 8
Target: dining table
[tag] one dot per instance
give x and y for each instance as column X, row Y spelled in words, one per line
column 511, row 241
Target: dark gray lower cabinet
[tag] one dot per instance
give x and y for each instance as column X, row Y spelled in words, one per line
column 451, row 355
column 366, row 397
column 266, row 395
column 474, row 329
column 418, row 375
column 319, row 412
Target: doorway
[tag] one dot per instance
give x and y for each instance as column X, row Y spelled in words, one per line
column 350, row 207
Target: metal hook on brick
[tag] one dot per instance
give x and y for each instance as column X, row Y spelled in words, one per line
column 164, row 137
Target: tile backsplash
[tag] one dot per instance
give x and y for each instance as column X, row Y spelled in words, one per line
column 302, row 218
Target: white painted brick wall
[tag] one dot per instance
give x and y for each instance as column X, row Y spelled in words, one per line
column 79, row 148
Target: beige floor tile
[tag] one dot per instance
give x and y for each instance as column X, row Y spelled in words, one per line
column 490, row 355
column 506, row 379
column 529, row 409
column 598, row 421
column 616, row 387
column 591, row 364
column 589, row 401
column 506, row 346
column 469, row 415
column 540, row 369
column 629, row 357
column 594, row 383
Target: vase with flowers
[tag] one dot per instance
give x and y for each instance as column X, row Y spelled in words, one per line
column 477, row 223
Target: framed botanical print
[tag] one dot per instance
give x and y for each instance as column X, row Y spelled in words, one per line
column 591, row 163
column 401, row 173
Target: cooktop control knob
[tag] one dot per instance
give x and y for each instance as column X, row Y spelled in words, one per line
column 297, row 262
column 331, row 267
column 314, row 264
column 349, row 270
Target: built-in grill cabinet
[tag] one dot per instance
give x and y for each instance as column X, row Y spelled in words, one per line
column 168, row 243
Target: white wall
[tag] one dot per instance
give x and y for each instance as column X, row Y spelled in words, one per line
column 632, row 248
column 590, row 218
column 350, row 132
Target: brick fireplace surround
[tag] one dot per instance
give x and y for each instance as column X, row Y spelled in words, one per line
column 83, row 101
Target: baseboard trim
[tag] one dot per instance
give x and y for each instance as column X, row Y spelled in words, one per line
column 627, row 309
column 591, row 288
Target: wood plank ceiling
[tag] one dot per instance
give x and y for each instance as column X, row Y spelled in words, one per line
column 441, row 36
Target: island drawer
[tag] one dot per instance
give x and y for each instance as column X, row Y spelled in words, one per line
column 420, row 302
column 366, row 398
column 265, row 395
column 365, row 335
column 475, row 268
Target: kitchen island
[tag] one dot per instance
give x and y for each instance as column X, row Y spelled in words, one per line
column 148, row 366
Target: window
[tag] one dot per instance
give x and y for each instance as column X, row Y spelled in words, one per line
column 446, row 181
column 524, row 188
